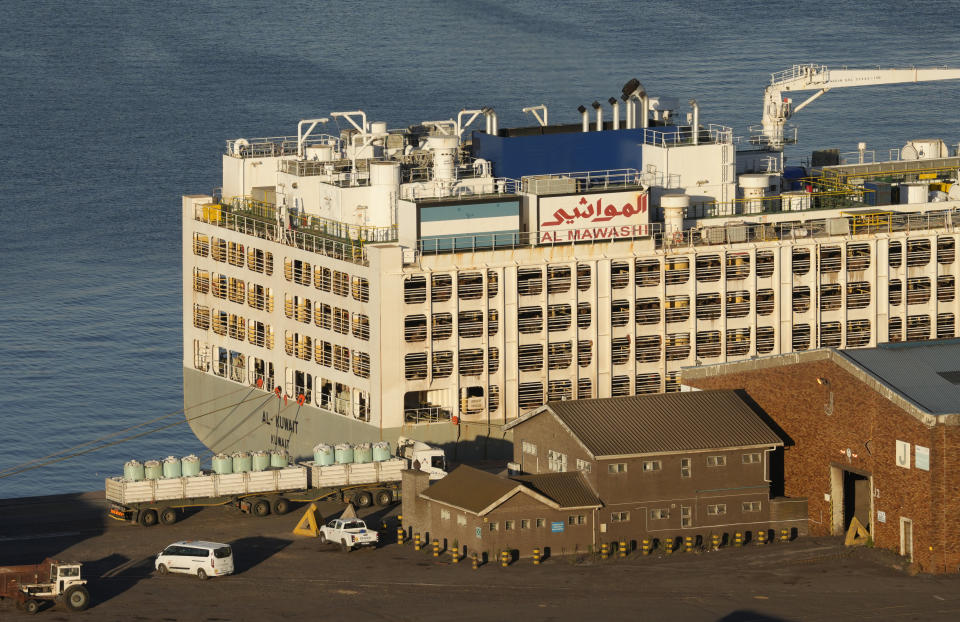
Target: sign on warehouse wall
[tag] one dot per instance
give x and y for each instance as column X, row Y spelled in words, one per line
column 592, row 216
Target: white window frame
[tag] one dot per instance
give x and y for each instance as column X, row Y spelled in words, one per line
column 751, row 506
column 651, row 466
column 556, row 461
column 716, row 461
column 686, row 467
column 751, row 458
column 619, row 517
column 686, row 516
column 529, row 448
column 717, row 509
column 660, row 514
column 584, row 465
column 617, row 467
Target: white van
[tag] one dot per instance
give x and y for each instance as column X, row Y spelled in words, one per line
column 196, row 557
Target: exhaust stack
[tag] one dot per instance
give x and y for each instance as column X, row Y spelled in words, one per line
column 596, row 106
column 616, row 112
column 584, row 117
column 695, row 125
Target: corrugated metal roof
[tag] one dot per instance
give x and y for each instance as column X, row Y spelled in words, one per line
column 469, row 488
column 920, row 371
column 569, row 489
column 661, row 423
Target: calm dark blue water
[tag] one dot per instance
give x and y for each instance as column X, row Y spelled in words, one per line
column 110, row 111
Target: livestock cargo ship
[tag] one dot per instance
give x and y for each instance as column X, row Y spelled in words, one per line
column 438, row 281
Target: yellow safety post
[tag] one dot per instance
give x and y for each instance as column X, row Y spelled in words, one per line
column 475, row 561
column 604, row 551
column 623, row 548
column 688, row 544
column 668, row 544
column 645, row 546
column 715, row 541
column 738, row 539
column 400, row 535
column 504, row 558
column 784, row 535
column 308, row 523
column 436, row 548
column 762, row 536
column 455, row 555
column 536, row 556
column 416, row 542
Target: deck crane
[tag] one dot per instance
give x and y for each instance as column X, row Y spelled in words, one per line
column 777, row 108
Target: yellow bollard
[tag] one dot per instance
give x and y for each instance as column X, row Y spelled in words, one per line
column 688, row 544
column 784, row 535
column 645, row 546
column 416, row 542
column 668, row 545
column 455, row 555
column 504, row 558
column 536, row 556
column 436, row 548
column 399, row 519
column 400, row 535
column 738, row 539
column 715, row 542
column 623, row 548
column 604, row 551
column 475, row 561
column 762, row 536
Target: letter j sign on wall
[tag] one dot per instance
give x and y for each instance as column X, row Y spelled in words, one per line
column 903, row 454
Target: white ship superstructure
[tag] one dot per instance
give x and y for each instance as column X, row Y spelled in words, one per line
column 438, row 281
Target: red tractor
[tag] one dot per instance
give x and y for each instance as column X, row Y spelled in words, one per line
column 50, row 580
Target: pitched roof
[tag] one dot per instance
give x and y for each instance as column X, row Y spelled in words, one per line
column 661, row 423
column 469, row 489
column 569, row 489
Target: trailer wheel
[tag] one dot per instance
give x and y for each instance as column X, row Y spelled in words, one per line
column 148, row 518
column 384, row 497
column 168, row 516
column 31, row 606
column 281, row 506
column 261, row 507
column 77, row 598
column 362, row 500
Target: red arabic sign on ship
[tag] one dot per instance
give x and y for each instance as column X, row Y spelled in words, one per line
column 593, row 217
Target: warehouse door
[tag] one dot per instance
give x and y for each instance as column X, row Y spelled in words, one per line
column 851, row 497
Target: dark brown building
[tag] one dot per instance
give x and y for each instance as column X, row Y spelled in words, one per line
column 664, row 466
column 870, row 433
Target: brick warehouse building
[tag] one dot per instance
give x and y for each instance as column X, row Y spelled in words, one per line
column 872, row 433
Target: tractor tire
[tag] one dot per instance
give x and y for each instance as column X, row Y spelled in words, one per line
column 76, row 598
column 31, row 606
column 261, row 507
column 168, row 516
column 281, row 506
column 148, row 518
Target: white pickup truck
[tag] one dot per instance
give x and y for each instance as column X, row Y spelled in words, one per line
column 349, row 533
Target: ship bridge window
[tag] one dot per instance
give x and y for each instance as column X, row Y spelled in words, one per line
column 470, row 324
column 858, row 295
column 442, row 326
column 918, row 290
column 895, row 292
column 470, row 285
column 918, row 253
column 619, row 350
column 361, row 364
column 584, row 315
column 830, row 259
column 858, row 333
column 529, row 281
column 708, row 268
column 341, row 358
column 765, row 264
column 219, row 286
column 648, row 349
column 830, row 335
column 559, row 355
column 831, row 296
column 801, row 299
column 201, row 317
column 945, row 327
column 493, row 284
column 946, row 288
column 765, row 301
column 647, row 383
column 558, row 390
column 341, row 283
column 946, row 250
column 738, row 341
column 323, row 279
column 678, row 346
column 530, row 395
column 647, row 311
column 738, row 303
column 620, row 312
column 470, row 362
column 584, row 352
column 765, row 339
column 415, row 366
column 584, row 277
column 677, row 270
column 442, row 365
column 801, row 260
column 530, row 320
column 414, row 290
column 619, row 274
column 236, row 290
column 530, row 357
column 677, row 308
column 361, row 289
column 558, row 317
column 858, row 257
column 235, row 254
column 895, row 253
column 646, row 272
column 918, row 327
column 361, row 326
column 218, row 249
column 261, row 374
column 708, row 343
column 620, row 386
column 584, row 389
column 708, row 306
column 201, row 281
column 201, row 245
column 801, row 336
column 493, row 360
column 738, row 266
column 414, row 328
column 558, row 279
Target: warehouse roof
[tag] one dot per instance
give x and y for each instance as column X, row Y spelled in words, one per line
column 569, row 489
column 660, row 423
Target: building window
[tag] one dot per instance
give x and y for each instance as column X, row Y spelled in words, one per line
column 445, row 514
column 583, row 465
column 718, row 509
column 619, row 517
column 541, row 522
column 752, row 458
column 618, row 467
column 556, row 461
column 508, row 525
column 684, row 467
column 524, row 523
column 529, row 448
column 659, row 514
column 751, row 506
column 686, row 517
column 461, row 519
column 492, row 527
column 579, row 519
column 651, row 465
column 716, row 461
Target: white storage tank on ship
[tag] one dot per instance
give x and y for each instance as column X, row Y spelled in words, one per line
column 190, row 466
column 171, row 467
column 914, row 192
column 795, row 201
column 381, row 451
column 323, row 455
column 222, row 464
column 362, row 453
column 344, row 453
column 754, row 186
column 279, row 458
column 242, row 462
column 260, row 460
column 133, row 471
column 152, row 469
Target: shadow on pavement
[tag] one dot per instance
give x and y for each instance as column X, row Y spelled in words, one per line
column 750, row 616
column 113, row 575
column 248, row 552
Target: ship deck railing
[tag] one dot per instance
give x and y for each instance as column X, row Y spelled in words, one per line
column 274, row 146
column 582, row 181
column 819, row 194
column 683, row 136
column 901, row 170
column 489, row 188
column 427, row 414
